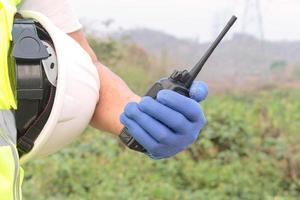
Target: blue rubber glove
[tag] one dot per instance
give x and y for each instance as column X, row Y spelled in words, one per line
column 169, row 124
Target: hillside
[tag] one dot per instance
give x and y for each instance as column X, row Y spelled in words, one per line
column 241, row 59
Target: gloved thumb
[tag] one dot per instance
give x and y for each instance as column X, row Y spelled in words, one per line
column 198, row 91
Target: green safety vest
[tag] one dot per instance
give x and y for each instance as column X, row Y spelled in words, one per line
column 7, row 84
column 11, row 174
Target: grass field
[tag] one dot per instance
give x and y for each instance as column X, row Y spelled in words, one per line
column 248, row 150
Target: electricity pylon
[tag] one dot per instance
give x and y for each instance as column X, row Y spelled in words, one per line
column 252, row 17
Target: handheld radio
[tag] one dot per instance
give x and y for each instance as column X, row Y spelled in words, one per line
column 179, row 81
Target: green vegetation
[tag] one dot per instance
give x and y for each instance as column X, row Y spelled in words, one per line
column 278, row 65
column 248, row 150
column 296, row 70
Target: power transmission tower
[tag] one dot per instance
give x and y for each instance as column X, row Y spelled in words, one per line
column 252, row 18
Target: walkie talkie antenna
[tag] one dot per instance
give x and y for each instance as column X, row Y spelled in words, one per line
column 195, row 71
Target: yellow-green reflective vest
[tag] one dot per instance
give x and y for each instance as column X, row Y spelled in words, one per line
column 7, row 84
column 10, row 172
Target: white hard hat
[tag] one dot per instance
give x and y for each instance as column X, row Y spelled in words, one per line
column 77, row 92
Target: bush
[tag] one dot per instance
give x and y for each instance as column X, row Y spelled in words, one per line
column 248, row 150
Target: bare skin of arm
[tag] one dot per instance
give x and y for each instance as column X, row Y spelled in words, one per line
column 113, row 95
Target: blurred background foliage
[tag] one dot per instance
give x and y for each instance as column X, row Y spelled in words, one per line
column 248, row 150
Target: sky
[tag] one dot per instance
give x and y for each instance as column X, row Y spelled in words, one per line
column 196, row 19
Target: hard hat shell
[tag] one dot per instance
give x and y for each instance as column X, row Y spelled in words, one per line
column 77, row 92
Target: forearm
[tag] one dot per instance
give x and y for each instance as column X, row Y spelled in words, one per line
column 114, row 94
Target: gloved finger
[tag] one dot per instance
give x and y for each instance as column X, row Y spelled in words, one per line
column 171, row 118
column 138, row 133
column 182, row 104
column 156, row 129
column 198, row 91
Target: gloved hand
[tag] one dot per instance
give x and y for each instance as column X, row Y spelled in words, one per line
column 169, row 124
